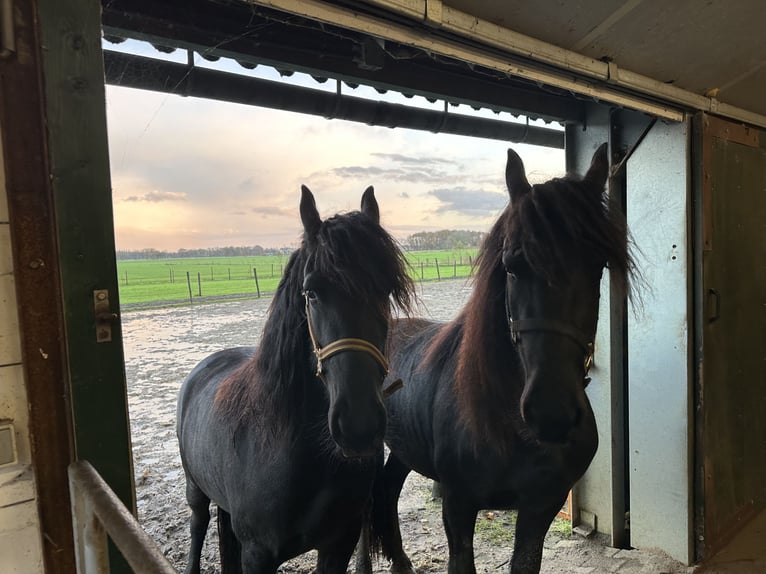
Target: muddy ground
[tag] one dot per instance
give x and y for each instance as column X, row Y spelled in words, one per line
column 162, row 346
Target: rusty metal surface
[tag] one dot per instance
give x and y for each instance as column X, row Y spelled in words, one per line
column 38, row 292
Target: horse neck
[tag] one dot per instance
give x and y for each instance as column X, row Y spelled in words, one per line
column 488, row 378
column 486, row 343
column 287, row 386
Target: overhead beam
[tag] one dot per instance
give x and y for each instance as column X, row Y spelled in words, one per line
column 133, row 71
column 255, row 35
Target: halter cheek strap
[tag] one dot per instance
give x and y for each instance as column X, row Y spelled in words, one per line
column 340, row 346
column 518, row 326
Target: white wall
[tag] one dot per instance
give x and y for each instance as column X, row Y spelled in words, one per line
column 20, row 545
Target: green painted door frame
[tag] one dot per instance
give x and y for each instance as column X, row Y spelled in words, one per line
column 78, row 159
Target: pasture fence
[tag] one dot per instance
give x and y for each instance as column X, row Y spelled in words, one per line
column 154, row 283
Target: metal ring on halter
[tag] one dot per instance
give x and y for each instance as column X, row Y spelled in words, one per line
column 341, row 345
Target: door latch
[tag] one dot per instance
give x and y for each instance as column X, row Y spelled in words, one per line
column 104, row 315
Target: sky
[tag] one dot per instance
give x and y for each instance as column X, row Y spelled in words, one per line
column 192, row 173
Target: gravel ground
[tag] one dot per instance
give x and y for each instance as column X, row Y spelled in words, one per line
column 163, row 345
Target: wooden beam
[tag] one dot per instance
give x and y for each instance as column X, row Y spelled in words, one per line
column 38, row 292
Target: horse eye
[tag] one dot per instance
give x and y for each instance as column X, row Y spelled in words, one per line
column 513, row 263
column 310, row 295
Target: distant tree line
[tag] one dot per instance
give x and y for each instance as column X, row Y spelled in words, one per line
column 124, row 254
column 444, row 239
column 421, row 241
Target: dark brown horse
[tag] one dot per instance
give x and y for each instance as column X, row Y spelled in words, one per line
column 494, row 404
column 286, row 439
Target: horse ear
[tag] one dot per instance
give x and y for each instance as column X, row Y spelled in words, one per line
column 598, row 172
column 370, row 205
column 515, row 177
column 309, row 213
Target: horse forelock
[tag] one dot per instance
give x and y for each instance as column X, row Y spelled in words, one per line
column 565, row 220
column 364, row 261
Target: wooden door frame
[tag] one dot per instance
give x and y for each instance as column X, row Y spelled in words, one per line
column 53, row 125
column 38, row 284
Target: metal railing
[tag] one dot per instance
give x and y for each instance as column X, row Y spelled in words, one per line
column 98, row 513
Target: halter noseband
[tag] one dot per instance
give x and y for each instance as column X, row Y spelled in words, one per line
column 341, row 345
column 518, row 326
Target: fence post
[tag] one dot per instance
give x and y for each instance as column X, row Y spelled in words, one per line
column 126, row 277
column 257, row 287
column 229, row 273
column 188, row 282
column 454, row 268
column 422, row 277
column 199, row 284
column 438, row 274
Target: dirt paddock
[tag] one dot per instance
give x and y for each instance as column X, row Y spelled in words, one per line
column 162, row 346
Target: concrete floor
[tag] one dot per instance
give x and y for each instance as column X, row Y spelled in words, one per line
column 745, row 554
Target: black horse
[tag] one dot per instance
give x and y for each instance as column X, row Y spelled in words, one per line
column 286, row 439
column 494, row 404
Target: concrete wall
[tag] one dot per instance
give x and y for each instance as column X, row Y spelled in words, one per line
column 20, row 545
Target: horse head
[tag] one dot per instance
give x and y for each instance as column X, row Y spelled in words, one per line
column 555, row 249
column 352, row 271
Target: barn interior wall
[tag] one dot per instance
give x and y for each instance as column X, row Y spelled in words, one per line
column 658, row 208
column 20, row 547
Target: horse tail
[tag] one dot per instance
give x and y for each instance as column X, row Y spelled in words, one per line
column 228, row 545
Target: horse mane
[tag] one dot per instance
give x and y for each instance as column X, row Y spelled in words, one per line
column 548, row 224
column 357, row 256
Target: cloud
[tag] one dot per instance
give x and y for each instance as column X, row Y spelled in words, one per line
column 419, row 160
column 421, row 174
column 471, row 202
column 272, row 210
column 157, row 196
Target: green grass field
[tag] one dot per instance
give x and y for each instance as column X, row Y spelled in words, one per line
column 164, row 281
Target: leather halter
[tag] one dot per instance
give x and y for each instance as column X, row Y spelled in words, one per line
column 340, row 346
column 518, row 326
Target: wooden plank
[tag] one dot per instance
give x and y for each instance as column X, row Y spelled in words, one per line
column 36, row 274
column 734, row 316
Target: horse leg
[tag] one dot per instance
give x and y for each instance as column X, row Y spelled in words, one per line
column 363, row 564
column 334, row 558
column 228, row 545
column 459, row 520
column 200, row 518
column 257, row 560
column 386, row 516
column 531, row 526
